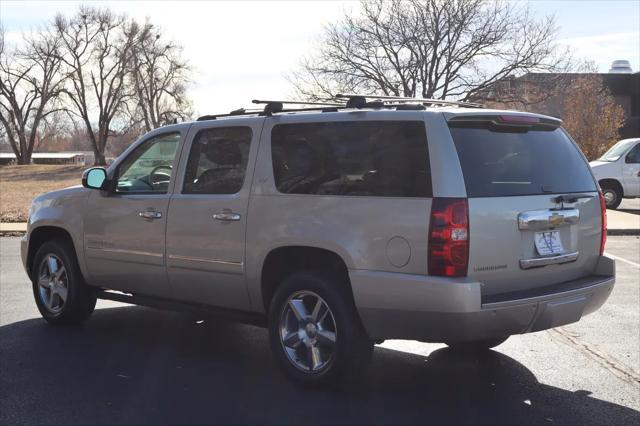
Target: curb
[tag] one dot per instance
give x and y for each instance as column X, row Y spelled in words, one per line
column 617, row 232
column 12, row 233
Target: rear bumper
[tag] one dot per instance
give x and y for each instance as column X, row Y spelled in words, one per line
column 433, row 309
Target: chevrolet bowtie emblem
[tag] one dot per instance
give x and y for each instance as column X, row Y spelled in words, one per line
column 556, row 219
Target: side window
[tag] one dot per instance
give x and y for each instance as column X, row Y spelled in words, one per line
column 634, row 155
column 365, row 158
column 218, row 161
column 149, row 167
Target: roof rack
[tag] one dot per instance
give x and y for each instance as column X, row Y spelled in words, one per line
column 272, row 107
column 239, row 111
column 354, row 100
column 278, row 106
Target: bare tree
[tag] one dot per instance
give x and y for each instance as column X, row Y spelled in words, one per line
column 159, row 77
column 428, row 48
column 96, row 49
column 30, row 82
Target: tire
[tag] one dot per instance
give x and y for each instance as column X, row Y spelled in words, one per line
column 59, row 289
column 477, row 345
column 315, row 333
column 612, row 195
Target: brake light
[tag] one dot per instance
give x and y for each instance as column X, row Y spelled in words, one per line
column 518, row 119
column 448, row 250
column 603, row 222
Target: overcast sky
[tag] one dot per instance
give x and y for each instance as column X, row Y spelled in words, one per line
column 243, row 50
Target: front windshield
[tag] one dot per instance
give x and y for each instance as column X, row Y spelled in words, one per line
column 617, row 150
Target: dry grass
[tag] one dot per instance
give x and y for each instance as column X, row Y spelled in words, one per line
column 20, row 184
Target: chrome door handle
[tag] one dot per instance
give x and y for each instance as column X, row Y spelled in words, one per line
column 227, row 215
column 150, row 214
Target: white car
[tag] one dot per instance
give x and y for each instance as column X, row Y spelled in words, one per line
column 618, row 172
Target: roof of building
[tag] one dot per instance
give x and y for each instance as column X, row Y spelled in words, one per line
column 38, row 155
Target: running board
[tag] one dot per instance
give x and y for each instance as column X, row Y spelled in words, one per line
column 244, row 317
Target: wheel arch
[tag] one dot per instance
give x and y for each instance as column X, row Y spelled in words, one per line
column 42, row 234
column 282, row 261
column 612, row 182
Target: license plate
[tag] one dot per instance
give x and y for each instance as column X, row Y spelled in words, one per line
column 548, row 243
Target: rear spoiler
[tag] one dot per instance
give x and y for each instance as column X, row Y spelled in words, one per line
column 514, row 121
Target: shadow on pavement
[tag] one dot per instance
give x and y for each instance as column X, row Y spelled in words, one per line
column 632, row 211
column 134, row 365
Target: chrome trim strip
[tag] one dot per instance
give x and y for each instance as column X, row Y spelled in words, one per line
column 545, row 219
column 551, row 260
column 199, row 259
column 606, row 281
column 123, row 251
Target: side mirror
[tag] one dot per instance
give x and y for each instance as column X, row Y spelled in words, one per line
column 94, row 178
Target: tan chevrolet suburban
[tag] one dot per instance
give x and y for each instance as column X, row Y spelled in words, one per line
column 336, row 226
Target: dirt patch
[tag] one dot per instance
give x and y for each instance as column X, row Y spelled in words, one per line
column 21, row 184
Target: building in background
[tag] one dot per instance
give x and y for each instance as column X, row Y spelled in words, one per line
column 75, row 158
column 545, row 93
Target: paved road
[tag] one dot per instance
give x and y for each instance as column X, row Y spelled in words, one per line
column 631, row 205
column 133, row 365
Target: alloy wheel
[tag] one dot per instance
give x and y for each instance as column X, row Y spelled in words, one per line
column 308, row 331
column 53, row 283
column 610, row 196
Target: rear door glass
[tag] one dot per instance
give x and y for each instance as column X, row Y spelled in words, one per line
column 218, row 161
column 534, row 162
column 359, row 158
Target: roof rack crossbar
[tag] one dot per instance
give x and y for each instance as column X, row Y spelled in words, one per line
column 258, row 101
column 404, row 99
column 248, row 112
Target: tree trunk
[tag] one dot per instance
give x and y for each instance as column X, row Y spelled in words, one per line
column 22, row 160
column 25, row 155
column 99, row 158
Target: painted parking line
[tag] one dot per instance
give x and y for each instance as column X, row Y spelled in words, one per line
column 621, row 259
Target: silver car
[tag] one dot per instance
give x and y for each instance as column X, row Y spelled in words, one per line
column 336, row 227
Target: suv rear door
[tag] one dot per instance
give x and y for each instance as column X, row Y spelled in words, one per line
column 534, row 212
column 207, row 219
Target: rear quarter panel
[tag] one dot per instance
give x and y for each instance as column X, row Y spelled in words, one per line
column 357, row 228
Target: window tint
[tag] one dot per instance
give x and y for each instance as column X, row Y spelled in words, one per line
column 149, row 167
column 634, row 155
column 218, row 161
column 366, row 158
column 498, row 163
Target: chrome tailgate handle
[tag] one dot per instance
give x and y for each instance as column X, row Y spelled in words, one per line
column 226, row 215
column 545, row 219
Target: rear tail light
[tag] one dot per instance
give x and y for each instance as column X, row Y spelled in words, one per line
column 449, row 237
column 603, row 221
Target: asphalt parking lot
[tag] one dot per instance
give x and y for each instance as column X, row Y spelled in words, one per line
column 133, row 365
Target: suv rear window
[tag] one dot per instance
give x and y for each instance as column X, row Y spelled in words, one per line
column 357, row 158
column 498, row 163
